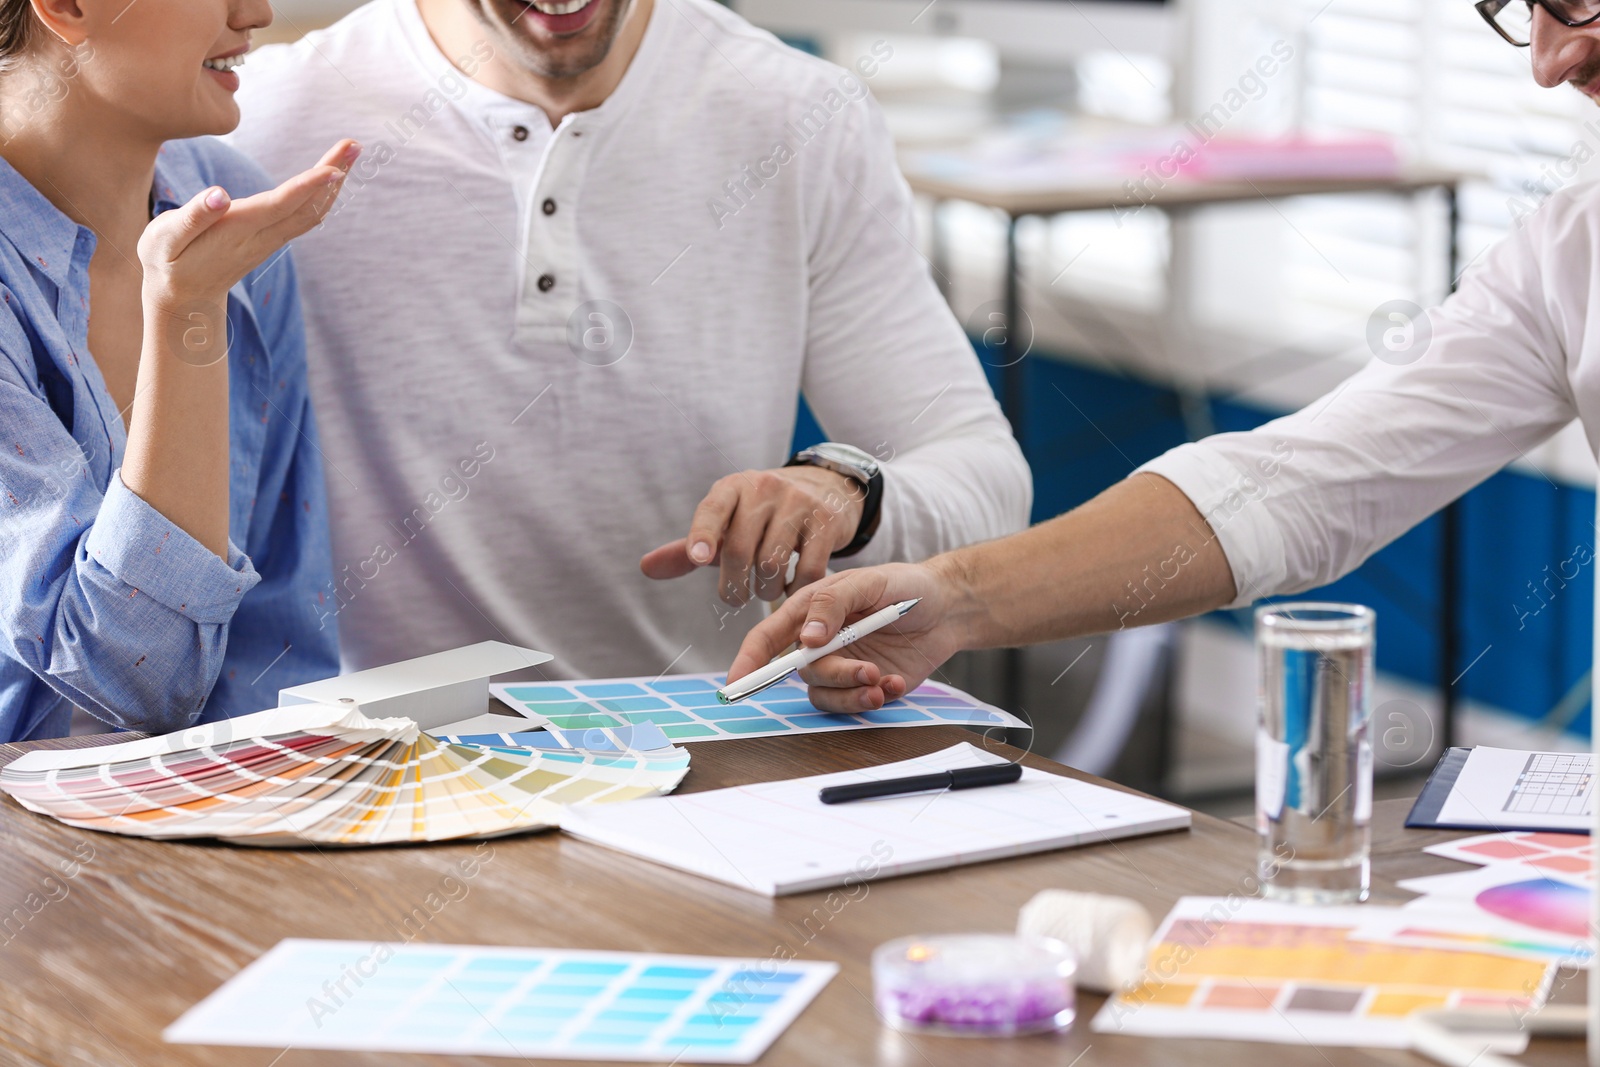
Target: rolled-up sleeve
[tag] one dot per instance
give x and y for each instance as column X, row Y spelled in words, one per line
column 140, row 549
column 104, row 599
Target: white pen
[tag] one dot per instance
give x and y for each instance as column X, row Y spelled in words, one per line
column 787, row 664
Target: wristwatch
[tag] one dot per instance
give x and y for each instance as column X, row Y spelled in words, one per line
column 860, row 468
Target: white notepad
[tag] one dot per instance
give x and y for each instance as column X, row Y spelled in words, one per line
column 777, row 837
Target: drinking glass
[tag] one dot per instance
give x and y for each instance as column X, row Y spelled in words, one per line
column 1314, row 751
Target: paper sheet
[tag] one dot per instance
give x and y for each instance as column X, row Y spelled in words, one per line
column 778, row 838
column 1565, row 857
column 1528, row 897
column 1460, row 923
column 1510, row 789
column 1249, row 970
column 522, row 1002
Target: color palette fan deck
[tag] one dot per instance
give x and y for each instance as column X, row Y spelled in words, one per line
column 314, row 773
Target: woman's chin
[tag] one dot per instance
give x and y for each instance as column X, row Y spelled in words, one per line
column 213, row 118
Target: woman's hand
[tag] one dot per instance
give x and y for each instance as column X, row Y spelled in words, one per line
column 177, row 459
column 194, row 254
column 880, row 667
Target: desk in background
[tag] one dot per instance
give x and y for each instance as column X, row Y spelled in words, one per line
column 1178, row 200
column 147, row 929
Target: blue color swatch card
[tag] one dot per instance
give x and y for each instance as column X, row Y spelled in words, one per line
column 645, row 737
column 489, row 1001
column 686, row 707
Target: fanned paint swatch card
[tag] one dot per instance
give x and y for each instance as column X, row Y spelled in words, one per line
column 522, row 1002
column 315, row 773
column 686, row 707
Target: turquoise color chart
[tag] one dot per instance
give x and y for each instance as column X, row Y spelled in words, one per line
column 686, row 708
column 644, row 737
column 524, row 1002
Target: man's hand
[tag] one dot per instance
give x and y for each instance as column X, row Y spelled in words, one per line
column 751, row 523
column 880, row 667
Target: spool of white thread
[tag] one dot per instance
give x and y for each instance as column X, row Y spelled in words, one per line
column 1110, row 935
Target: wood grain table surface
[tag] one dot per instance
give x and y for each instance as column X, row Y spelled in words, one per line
column 109, row 939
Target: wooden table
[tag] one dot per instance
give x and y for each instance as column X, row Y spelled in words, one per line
column 98, row 964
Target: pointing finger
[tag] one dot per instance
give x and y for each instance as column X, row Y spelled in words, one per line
column 710, row 521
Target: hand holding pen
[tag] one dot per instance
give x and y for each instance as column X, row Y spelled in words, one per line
column 877, row 667
column 785, row 665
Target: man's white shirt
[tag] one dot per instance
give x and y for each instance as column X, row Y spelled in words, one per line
column 1513, row 357
column 533, row 350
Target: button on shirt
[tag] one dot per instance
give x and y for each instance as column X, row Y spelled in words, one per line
column 104, row 603
column 1513, row 358
column 534, row 355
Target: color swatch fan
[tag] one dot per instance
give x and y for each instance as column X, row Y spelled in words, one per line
column 315, row 773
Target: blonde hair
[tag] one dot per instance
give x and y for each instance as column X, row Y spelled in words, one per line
column 18, row 28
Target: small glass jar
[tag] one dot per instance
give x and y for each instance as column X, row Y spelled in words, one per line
column 975, row 985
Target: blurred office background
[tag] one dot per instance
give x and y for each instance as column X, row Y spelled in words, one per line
column 1144, row 329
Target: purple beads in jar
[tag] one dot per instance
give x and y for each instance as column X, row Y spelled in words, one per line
column 978, row 985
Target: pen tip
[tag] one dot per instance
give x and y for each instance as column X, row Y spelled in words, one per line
column 722, row 698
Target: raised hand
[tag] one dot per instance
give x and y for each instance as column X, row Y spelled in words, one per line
column 177, row 458
column 196, row 253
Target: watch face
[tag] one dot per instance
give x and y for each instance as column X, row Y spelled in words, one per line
column 848, row 456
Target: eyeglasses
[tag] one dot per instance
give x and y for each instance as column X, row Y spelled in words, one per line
column 1513, row 19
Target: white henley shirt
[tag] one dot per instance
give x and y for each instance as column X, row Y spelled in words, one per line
column 533, row 350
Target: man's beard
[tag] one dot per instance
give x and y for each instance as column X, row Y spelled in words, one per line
column 1586, row 77
column 568, row 59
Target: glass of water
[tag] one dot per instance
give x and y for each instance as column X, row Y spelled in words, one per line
column 1314, row 751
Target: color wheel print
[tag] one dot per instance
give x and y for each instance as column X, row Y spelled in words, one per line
column 1541, row 903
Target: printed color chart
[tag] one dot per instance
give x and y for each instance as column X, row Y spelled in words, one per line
column 1569, row 857
column 524, row 1002
column 1513, row 908
column 686, row 708
column 1256, row 971
column 628, row 739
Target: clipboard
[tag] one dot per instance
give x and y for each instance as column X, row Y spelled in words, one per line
column 1427, row 812
column 1424, row 813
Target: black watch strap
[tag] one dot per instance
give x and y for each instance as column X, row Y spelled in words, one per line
column 871, row 511
column 871, row 507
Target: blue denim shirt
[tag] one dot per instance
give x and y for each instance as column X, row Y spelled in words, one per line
column 104, row 603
